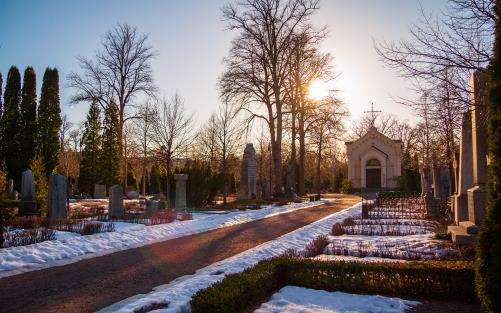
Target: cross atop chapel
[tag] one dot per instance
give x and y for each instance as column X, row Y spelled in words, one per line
column 373, row 114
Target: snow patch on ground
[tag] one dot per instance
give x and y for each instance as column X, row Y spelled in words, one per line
column 293, row 299
column 69, row 249
column 346, row 258
column 178, row 293
column 404, row 247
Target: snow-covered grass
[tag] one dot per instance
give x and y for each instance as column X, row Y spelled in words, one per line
column 178, row 293
column 68, row 249
column 412, row 247
column 293, row 299
column 347, row 258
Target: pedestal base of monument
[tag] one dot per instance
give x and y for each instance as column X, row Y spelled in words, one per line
column 28, row 207
column 477, row 202
column 460, row 208
column 461, row 236
column 465, row 233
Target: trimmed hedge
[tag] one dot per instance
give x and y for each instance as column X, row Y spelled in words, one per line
column 441, row 279
column 238, row 291
column 438, row 279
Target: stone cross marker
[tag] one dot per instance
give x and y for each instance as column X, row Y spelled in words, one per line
column 28, row 203
column 247, row 188
column 180, row 202
column 57, row 197
column 116, row 204
column 99, row 191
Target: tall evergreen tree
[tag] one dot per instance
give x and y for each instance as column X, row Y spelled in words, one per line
column 37, row 166
column 49, row 120
column 489, row 245
column 154, row 180
column 131, row 179
column 1, row 86
column 28, row 118
column 1, row 110
column 90, row 169
column 110, row 156
column 10, row 124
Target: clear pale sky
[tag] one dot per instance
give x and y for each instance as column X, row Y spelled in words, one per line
column 190, row 40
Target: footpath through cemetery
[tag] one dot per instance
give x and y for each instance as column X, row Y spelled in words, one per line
column 243, row 156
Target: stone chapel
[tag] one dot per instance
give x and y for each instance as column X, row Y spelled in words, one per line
column 374, row 162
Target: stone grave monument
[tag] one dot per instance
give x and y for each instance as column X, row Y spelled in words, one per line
column 426, row 175
column 11, row 189
column 465, row 180
column 28, row 203
column 116, row 204
column 472, row 197
column 180, row 201
column 132, row 194
column 247, row 188
column 99, row 191
column 437, row 183
column 58, row 189
column 152, row 206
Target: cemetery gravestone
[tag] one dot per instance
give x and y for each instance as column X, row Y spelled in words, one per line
column 465, row 171
column 152, row 206
column 247, row 188
column 28, row 204
column 99, row 191
column 116, row 204
column 58, row 189
column 133, row 194
column 11, row 189
column 437, row 185
column 180, row 200
column 477, row 195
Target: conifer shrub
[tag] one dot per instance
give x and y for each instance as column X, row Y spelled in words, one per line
column 488, row 267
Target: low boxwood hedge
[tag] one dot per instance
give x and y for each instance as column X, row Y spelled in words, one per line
column 239, row 291
column 441, row 279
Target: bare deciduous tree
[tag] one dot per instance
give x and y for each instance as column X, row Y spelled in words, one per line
column 120, row 72
column 142, row 131
column 172, row 128
column 307, row 65
column 227, row 134
column 326, row 128
column 258, row 63
column 458, row 41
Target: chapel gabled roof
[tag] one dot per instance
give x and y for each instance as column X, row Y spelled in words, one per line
column 373, row 130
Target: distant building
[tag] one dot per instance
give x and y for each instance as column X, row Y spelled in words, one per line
column 374, row 161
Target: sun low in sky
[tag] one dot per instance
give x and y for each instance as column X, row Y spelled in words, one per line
column 319, row 89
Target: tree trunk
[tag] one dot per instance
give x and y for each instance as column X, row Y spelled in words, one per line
column 293, row 150
column 277, row 149
column 167, row 194
column 121, row 140
column 302, row 153
column 319, row 161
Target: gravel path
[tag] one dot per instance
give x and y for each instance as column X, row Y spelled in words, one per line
column 91, row 284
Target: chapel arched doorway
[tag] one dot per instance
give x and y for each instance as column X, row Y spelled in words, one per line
column 373, row 174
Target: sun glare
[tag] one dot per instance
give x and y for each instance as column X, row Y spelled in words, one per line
column 318, row 90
